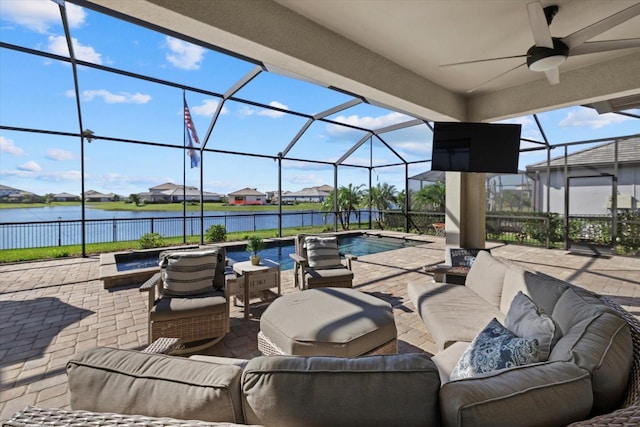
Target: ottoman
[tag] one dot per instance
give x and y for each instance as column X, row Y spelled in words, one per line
column 339, row 322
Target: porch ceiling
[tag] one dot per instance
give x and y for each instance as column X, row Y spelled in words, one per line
column 390, row 51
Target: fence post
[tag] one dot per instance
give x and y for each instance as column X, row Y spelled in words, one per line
column 59, row 231
column 115, row 230
column 152, row 225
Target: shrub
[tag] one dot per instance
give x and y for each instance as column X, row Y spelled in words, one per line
column 216, row 233
column 151, row 240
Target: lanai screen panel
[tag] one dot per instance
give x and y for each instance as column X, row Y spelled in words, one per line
column 40, row 164
column 250, row 129
column 290, row 94
column 51, row 106
column 325, row 142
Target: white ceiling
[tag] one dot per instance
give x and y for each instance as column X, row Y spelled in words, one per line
column 391, row 51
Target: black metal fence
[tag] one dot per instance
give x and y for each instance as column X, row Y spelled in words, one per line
column 529, row 229
column 37, row 234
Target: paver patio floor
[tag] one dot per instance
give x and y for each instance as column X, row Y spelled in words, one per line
column 52, row 310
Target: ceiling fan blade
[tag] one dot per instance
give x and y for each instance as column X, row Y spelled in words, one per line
column 496, row 77
column 587, row 33
column 553, row 75
column 484, row 60
column 604, row 46
column 539, row 26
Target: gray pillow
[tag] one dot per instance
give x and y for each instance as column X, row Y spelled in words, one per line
column 495, row 347
column 188, row 272
column 322, row 252
column 527, row 320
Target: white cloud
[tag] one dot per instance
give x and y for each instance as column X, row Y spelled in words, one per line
column 183, row 55
column 59, row 154
column 58, row 46
column 367, row 122
column 419, row 148
column 273, row 113
column 30, row 166
column 207, row 108
column 112, row 98
column 246, row 111
column 589, row 117
column 39, row 15
column 7, row 146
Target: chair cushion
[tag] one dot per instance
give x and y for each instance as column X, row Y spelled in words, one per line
column 495, row 348
column 167, row 308
column 392, row 390
column 322, row 252
column 132, row 382
column 188, row 272
column 526, row 320
column 325, row 277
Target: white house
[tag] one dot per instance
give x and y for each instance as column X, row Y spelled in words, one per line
column 170, row 192
column 589, row 180
column 247, row 196
column 311, row 194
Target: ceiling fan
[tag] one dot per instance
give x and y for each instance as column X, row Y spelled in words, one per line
column 549, row 52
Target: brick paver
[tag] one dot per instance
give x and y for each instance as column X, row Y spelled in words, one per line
column 52, row 310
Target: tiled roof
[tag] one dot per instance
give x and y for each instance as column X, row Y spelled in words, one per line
column 247, row 192
column 628, row 152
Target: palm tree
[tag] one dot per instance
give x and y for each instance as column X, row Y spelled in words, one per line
column 134, row 198
column 431, row 196
column 382, row 197
column 349, row 199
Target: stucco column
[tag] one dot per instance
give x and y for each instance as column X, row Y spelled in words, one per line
column 465, row 211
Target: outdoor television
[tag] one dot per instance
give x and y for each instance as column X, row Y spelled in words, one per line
column 475, row 147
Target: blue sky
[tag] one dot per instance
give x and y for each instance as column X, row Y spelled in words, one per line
column 37, row 92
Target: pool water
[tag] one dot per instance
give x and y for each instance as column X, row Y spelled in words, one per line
column 357, row 245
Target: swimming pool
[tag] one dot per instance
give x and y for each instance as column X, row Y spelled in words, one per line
column 358, row 245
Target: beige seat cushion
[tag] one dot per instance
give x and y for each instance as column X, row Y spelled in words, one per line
column 168, row 308
column 329, row 322
column 392, row 390
column 132, row 382
column 544, row 394
column 451, row 312
column 325, row 277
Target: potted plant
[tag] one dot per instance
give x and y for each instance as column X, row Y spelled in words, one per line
column 254, row 245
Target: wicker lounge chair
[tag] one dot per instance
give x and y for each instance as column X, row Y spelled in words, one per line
column 187, row 299
column 317, row 263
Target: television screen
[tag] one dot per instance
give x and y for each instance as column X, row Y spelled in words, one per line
column 475, row 147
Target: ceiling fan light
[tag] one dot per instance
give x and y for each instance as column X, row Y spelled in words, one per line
column 548, row 63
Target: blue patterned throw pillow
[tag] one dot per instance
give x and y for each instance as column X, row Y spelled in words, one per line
column 495, row 348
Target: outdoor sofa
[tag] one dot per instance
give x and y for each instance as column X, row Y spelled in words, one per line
column 592, row 370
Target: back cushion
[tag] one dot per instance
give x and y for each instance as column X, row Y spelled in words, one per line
column 486, row 277
column 188, row 272
column 322, row 252
column 132, row 382
column 597, row 339
column 543, row 290
column 399, row 390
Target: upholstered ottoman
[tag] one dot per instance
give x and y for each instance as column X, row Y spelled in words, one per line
column 328, row 322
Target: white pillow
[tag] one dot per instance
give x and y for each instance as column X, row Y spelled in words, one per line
column 322, row 252
column 527, row 320
column 188, row 272
column 495, row 347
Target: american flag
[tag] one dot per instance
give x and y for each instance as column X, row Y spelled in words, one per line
column 192, row 135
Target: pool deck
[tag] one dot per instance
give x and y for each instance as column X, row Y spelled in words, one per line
column 52, row 310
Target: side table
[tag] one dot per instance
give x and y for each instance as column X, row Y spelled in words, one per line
column 441, row 271
column 252, row 279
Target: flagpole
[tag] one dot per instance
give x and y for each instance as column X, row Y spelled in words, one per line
column 184, row 171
